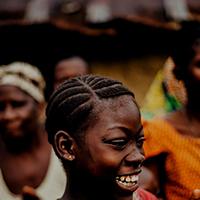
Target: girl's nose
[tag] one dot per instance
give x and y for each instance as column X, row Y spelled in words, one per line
column 135, row 158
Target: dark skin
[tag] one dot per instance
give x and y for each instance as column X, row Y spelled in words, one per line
column 186, row 120
column 151, row 184
column 23, row 142
column 69, row 68
column 109, row 153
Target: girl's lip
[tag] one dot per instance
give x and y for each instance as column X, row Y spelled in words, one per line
column 136, row 172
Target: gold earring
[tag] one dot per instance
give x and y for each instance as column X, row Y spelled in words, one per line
column 68, row 157
column 71, row 157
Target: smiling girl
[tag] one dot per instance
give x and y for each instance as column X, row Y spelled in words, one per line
column 94, row 125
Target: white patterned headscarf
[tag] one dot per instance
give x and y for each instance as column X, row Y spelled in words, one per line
column 24, row 76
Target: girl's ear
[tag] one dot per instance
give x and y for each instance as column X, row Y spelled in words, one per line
column 64, row 145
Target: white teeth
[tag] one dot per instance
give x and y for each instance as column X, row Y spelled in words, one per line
column 134, row 178
column 127, row 180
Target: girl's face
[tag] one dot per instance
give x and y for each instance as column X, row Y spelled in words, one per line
column 112, row 151
column 18, row 113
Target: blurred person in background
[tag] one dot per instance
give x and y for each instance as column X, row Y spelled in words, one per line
column 172, row 143
column 69, row 68
column 26, row 158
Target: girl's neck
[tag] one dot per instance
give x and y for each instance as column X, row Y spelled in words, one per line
column 97, row 196
column 89, row 190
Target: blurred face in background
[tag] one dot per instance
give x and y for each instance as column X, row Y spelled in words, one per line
column 66, row 69
column 18, row 113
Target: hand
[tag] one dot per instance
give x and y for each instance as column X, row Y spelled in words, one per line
column 195, row 195
column 29, row 193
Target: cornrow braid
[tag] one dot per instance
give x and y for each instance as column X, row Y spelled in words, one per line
column 71, row 104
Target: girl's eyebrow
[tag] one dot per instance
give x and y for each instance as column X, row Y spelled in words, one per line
column 130, row 132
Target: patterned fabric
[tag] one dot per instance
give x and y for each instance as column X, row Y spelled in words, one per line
column 182, row 164
column 24, row 76
column 165, row 94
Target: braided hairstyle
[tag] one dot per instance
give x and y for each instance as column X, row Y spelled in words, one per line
column 70, row 106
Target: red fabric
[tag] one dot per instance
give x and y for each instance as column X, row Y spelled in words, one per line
column 145, row 195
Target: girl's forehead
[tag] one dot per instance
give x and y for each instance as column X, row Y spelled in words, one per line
column 118, row 106
column 111, row 116
column 122, row 107
column 116, row 102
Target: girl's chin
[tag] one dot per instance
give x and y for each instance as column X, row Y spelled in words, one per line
column 128, row 187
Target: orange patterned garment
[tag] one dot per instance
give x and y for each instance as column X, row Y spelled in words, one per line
column 182, row 164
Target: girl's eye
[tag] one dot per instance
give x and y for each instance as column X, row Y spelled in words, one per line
column 140, row 142
column 118, row 143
